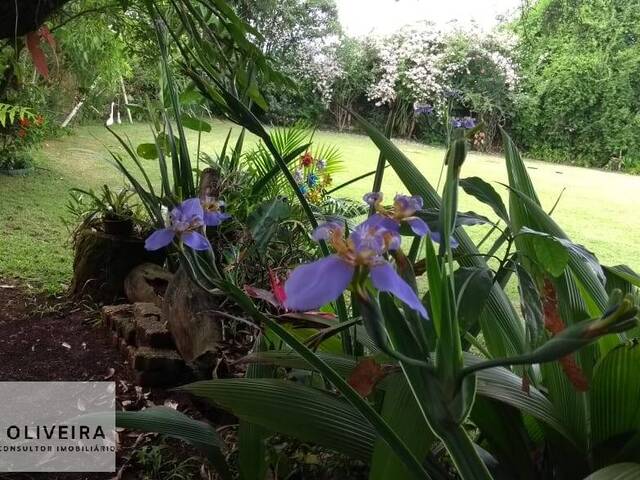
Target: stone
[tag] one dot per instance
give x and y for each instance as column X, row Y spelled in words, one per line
column 147, row 283
column 125, row 327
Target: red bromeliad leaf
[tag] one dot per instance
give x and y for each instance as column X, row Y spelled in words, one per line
column 277, row 287
column 364, row 377
column 37, row 55
column 46, row 34
column 553, row 322
column 574, row 373
column 262, row 294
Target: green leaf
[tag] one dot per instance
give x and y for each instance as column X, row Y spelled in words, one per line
column 531, row 305
column 503, row 428
column 194, row 123
column 311, row 415
column 619, row 471
column 485, row 193
column 615, row 393
column 148, row 151
column 550, row 253
column 265, row 220
column 252, row 438
column 168, row 421
column 402, row 413
column 625, row 273
column 473, row 286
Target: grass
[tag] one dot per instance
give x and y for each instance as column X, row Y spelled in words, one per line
column 597, row 209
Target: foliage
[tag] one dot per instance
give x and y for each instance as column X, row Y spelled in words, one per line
column 580, row 70
column 21, row 131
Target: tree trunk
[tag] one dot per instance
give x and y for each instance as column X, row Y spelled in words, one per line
column 190, row 311
column 126, row 99
column 73, row 113
column 102, row 262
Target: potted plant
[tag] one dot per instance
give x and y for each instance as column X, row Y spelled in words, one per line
column 108, row 211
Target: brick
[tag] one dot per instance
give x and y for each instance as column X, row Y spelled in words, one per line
column 147, row 359
column 110, row 312
column 146, row 310
column 125, row 327
column 153, row 332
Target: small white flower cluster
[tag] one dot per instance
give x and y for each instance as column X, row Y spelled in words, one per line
column 419, row 63
column 409, row 63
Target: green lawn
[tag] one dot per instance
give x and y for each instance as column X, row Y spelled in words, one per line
column 597, row 209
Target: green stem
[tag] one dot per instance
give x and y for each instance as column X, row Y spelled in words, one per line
column 464, row 455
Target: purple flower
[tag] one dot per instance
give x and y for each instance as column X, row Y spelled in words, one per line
column 456, row 122
column 423, row 109
column 468, row 122
column 403, row 210
column 315, row 284
column 298, row 175
column 321, row 164
column 213, row 214
column 373, row 198
column 186, row 221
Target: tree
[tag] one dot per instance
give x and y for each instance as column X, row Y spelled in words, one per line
column 581, row 81
column 286, row 25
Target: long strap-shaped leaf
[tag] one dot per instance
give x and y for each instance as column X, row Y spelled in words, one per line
column 619, row 471
column 496, row 383
column 501, row 327
column 168, row 421
column 311, row 415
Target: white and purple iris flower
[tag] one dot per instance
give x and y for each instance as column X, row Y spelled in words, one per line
column 187, row 222
column 403, row 210
column 315, row 284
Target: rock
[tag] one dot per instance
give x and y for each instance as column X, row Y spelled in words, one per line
column 151, row 329
column 195, row 328
column 147, row 283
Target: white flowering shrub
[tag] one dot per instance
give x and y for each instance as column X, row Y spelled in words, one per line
column 427, row 78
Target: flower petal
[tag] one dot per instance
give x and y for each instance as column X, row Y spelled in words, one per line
column 386, row 279
column 418, row 226
column 159, row 239
column 213, row 219
column 377, row 220
column 326, row 230
column 313, row 285
column 195, row 240
column 190, row 208
column 436, row 237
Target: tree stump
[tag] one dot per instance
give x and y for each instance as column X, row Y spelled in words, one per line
column 102, row 262
column 196, row 329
